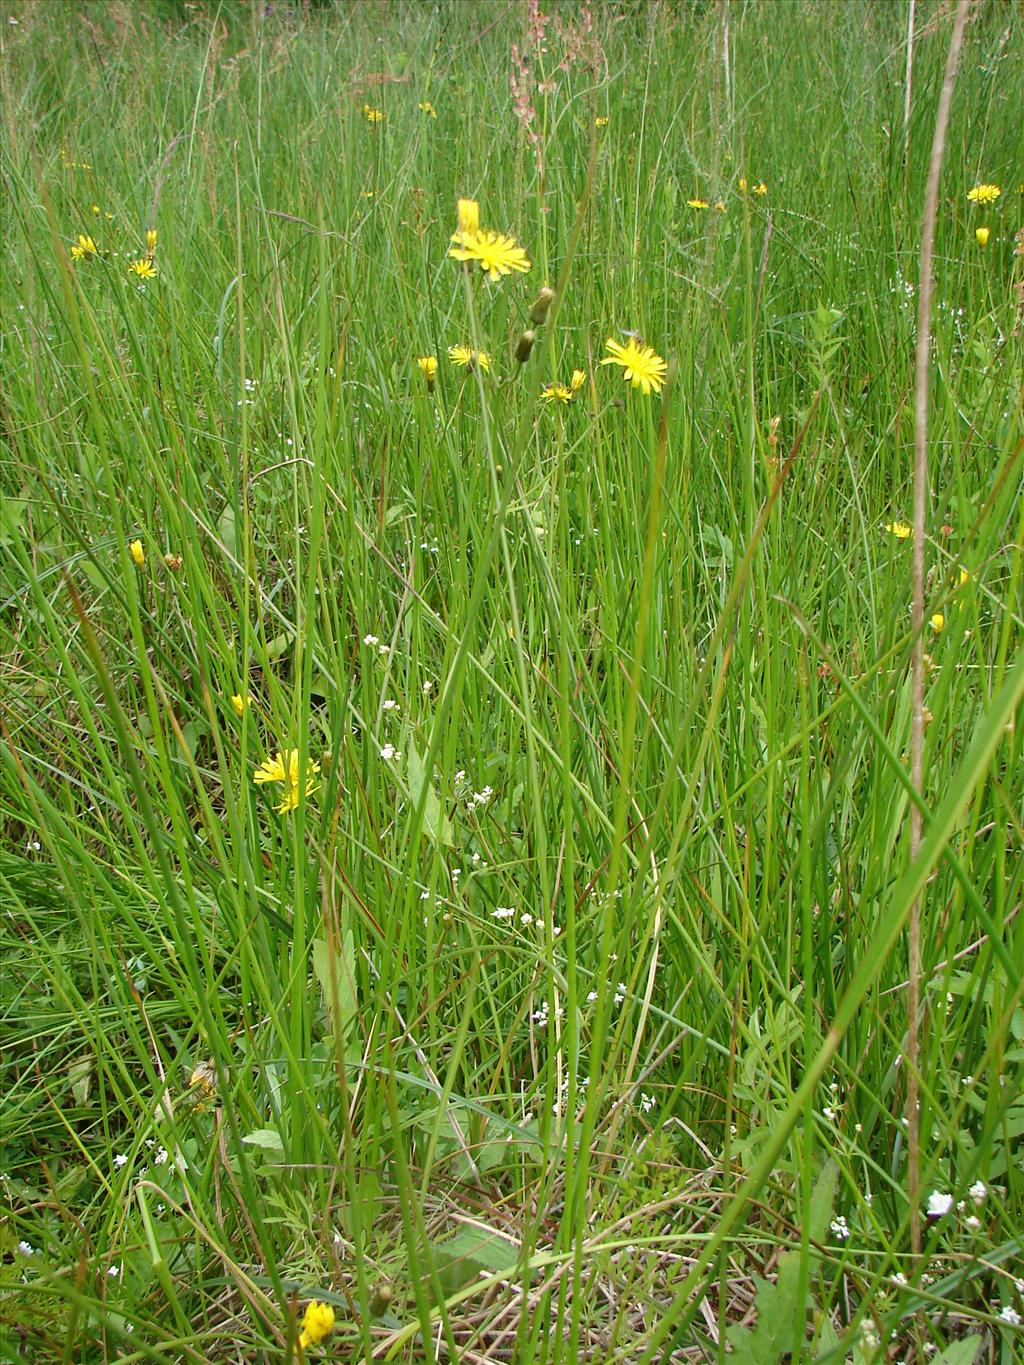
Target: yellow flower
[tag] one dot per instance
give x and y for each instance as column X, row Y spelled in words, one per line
column 285, row 768
column 982, row 235
column 240, row 702
column 937, row 622
column 497, row 253
column 984, row 194
column 138, row 553
column 203, row 1080
column 760, row 188
column 964, row 577
column 427, row 108
column 601, row 121
column 373, row 115
column 465, row 355
column 556, row 393
column 719, row 205
column 84, row 249
column 697, row 203
column 428, row 368
column 143, row 268
column 641, row 365
column 317, row 1323
column 579, row 378
column 469, row 218
column 900, row 529
column 151, row 240
column 743, row 185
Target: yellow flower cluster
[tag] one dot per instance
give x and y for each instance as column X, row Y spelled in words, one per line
column 984, row 194
column 284, row 768
column 317, row 1323
column 565, row 393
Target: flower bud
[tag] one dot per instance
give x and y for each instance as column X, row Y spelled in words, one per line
column 540, row 306
column 525, row 346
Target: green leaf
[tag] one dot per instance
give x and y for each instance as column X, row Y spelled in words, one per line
column 777, row 1309
column 226, row 531
column 269, row 1139
column 435, row 822
column 337, row 980
column 819, row 1213
column 470, row 1253
column 959, row 1352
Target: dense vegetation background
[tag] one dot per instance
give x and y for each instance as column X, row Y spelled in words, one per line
column 565, row 1017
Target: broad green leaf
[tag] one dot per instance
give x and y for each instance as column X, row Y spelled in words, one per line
column 472, row 1251
column 337, row 980
column 435, row 822
column 269, row 1139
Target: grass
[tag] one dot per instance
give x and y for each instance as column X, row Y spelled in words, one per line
column 566, row 1018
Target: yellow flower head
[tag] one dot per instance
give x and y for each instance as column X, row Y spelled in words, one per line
column 317, row 1323
column 743, row 184
column 984, row 194
column 240, row 702
column 284, row 767
column 465, row 355
column 760, row 188
column 900, row 529
column 427, row 108
column 497, row 253
column 469, row 218
column 579, row 378
column 428, row 368
column 138, row 553
column 719, row 205
column 84, row 249
column 982, row 235
column 601, row 121
column 641, row 365
column 556, row 393
column 144, row 268
column 151, row 240
column 373, row 115
column 937, row 622
column 697, row 203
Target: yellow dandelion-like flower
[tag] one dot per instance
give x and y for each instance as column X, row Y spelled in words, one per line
column 760, row 188
column 641, row 365
column 84, row 249
column 697, row 203
column 144, row 268
column 719, row 205
column 151, row 240
column 937, row 622
column 743, row 184
column 240, row 702
column 496, row 253
column 984, row 194
column 899, row 529
column 982, row 235
column 556, row 393
column 465, row 355
column 284, row 768
column 138, row 553
column 469, row 218
column 317, row 1323
column 427, row 365
column 579, row 378
column 373, row 115
column 427, row 108
column 601, row 121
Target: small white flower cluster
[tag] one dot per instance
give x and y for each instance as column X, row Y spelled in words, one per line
column 939, row 1204
column 1011, row 1316
column 646, row 1102
column 479, row 798
column 388, row 752
column 373, row 642
column 26, row 1249
column 840, row 1228
column 620, row 992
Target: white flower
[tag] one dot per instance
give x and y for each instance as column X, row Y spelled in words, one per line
column 114, row 1271
column 620, row 993
column 829, row 1113
column 424, row 895
column 389, row 704
column 646, row 1101
column 370, row 640
column 503, row 912
column 526, row 920
column 973, row 1223
column 26, row 1249
column 978, row 1191
column 840, row 1228
column 160, row 1157
column 1011, row 1316
column 939, row 1204
column 388, row 752
column 120, row 1160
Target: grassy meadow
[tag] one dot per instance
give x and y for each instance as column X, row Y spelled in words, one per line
column 456, row 870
